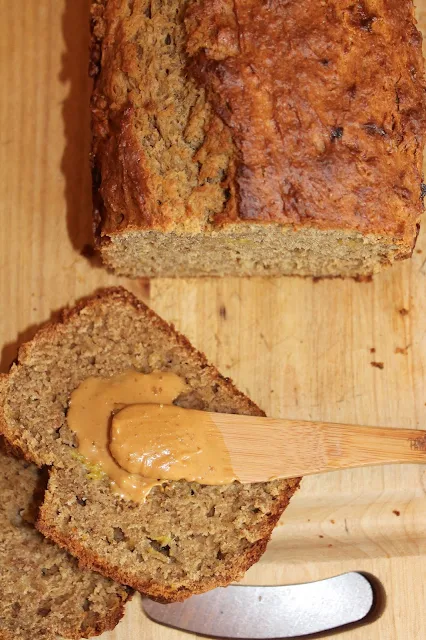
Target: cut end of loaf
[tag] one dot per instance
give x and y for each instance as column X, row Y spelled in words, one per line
column 254, row 250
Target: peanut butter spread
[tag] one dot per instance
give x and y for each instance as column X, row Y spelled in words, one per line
column 128, row 428
column 171, row 443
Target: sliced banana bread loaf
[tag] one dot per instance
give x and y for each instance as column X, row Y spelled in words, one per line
column 43, row 592
column 243, row 137
column 186, row 538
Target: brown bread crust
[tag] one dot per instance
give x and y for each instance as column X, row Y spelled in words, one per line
column 321, row 105
column 68, row 478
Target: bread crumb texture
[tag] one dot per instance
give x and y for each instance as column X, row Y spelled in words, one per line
column 186, row 538
column 246, row 137
column 44, row 593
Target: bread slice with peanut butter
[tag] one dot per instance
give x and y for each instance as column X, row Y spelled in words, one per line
column 185, row 538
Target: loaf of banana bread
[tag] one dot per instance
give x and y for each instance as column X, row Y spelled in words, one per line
column 242, row 137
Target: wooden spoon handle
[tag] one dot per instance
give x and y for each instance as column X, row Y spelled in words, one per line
column 265, row 448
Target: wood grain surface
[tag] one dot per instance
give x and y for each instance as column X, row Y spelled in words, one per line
column 331, row 350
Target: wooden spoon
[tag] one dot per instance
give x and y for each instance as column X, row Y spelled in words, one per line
column 265, row 448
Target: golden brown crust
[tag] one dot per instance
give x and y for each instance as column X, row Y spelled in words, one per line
column 324, row 103
column 342, row 146
column 159, row 591
column 115, row 150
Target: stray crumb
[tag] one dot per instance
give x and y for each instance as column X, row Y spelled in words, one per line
column 372, row 350
column 333, row 521
column 88, row 251
column 402, row 350
column 320, row 536
column 222, row 311
column 309, row 520
column 396, row 512
column 404, row 312
column 330, row 545
column 378, row 365
column 419, row 251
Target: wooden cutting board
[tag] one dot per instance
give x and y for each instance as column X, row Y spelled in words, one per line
column 331, row 350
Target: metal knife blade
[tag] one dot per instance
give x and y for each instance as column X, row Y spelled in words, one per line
column 290, row 611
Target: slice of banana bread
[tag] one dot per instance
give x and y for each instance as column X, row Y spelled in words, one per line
column 43, row 592
column 244, row 137
column 186, row 538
